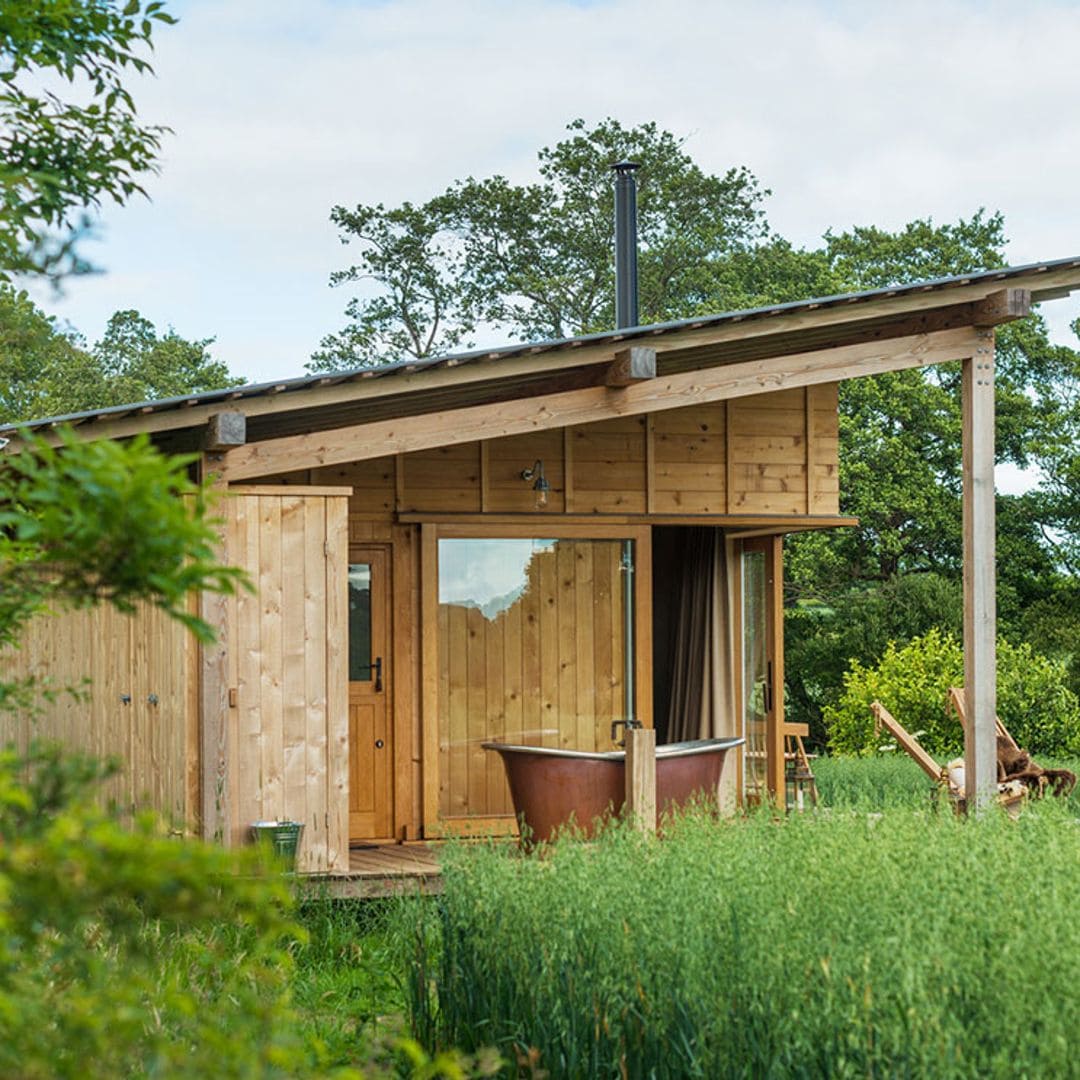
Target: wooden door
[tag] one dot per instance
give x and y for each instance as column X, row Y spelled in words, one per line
column 762, row 672
column 371, row 751
column 286, row 743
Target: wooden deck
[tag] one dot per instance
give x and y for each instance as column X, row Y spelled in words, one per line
column 383, row 870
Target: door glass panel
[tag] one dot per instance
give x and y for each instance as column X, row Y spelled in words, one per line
column 755, row 671
column 532, row 650
column 359, row 622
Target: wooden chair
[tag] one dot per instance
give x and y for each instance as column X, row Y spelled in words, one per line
column 797, row 771
column 1011, row 800
column 955, row 701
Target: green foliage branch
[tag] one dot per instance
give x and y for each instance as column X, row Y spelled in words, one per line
column 59, row 157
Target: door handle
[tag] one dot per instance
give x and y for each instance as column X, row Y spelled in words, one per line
column 768, row 687
column 377, row 668
column 379, row 744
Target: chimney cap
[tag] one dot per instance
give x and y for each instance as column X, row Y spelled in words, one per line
column 626, row 166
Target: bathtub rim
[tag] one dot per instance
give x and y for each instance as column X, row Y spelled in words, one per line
column 687, row 748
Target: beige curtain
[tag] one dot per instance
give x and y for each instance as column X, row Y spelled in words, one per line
column 701, row 690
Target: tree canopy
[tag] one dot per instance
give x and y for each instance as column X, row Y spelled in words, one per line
column 46, row 370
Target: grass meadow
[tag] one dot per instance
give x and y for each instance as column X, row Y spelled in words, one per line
column 878, row 937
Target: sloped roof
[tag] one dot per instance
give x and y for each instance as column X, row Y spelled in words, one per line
column 1045, row 281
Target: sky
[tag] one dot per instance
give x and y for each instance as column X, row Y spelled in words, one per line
column 851, row 113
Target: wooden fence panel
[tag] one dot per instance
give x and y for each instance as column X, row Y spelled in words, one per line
column 132, row 677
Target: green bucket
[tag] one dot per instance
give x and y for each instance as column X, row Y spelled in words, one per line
column 282, row 836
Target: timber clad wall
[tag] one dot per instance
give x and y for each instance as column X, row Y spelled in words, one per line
column 773, row 453
column 138, row 705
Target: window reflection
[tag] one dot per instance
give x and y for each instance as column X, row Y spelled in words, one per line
column 359, row 622
column 531, row 650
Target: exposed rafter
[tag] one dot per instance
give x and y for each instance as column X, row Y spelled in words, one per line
column 361, row 442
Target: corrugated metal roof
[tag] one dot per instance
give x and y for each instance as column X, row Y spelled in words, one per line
column 251, row 390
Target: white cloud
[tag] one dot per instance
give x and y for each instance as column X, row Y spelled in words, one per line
column 851, row 113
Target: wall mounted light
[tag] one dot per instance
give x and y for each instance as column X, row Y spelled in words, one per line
column 539, row 482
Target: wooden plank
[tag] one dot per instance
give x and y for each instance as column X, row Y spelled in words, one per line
column 729, row 479
column 289, row 489
column 429, row 677
column 585, row 674
column 414, row 433
column 564, row 672
column 294, row 689
column 271, row 659
column 315, row 849
column 215, row 810
column 485, row 477
column 681, row 500
column 650, row 465
column 907, row 742
column 705, row 421
column 641, row 778
column 607, row 637
column 337, row 682
column 399, row 482
column 496, row 792
column 568, row 470
column 249, row 627
column 545, row 568
column 405, row 714
column 980, row 615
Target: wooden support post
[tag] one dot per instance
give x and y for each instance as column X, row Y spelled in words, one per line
column 641, row 777
column 214, row 694
column 980, row 612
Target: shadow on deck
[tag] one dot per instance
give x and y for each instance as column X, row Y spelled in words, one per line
column 382, row 870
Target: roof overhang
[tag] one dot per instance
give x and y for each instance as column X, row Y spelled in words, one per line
column 749, row 352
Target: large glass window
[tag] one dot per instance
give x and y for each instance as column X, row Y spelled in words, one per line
column 532, row 649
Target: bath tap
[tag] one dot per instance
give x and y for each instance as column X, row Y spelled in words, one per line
column 629, row 722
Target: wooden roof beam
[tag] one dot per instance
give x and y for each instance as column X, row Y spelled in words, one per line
column 225, row 430
column 635, row 364
column 361, row 442
column 1006, row 305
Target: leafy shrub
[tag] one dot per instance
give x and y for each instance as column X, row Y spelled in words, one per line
column 765, row 948
column 1034, row 700
column 123, row 952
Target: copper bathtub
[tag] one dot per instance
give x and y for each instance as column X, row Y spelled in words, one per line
column 550, row 787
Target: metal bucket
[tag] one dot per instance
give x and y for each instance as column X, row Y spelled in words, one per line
column 282, row 836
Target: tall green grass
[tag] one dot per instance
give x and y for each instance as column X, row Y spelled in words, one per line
column 873, row 783
column 907, row 943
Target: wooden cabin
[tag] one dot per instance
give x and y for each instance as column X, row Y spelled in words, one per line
column 528, row 544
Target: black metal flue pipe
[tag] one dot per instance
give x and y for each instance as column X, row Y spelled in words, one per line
column 626, row 285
